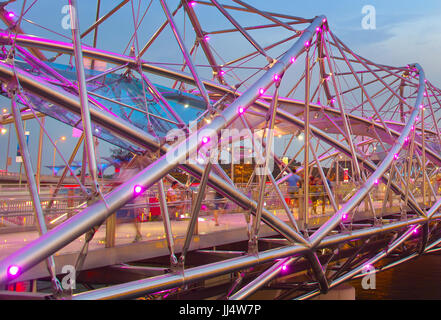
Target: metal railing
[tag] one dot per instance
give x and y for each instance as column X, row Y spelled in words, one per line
column 16, row 207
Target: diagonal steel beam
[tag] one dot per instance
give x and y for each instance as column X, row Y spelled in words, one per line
column 186, row 54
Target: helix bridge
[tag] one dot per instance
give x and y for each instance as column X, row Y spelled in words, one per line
column 196, row 80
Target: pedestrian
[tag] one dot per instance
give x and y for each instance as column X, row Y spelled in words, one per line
column 172, row 199
column 314, row 193
column 218, row 207
column 293, row 186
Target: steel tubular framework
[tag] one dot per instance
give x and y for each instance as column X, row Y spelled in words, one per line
column 304, row 82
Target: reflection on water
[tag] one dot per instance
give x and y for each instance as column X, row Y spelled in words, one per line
column 417, row 279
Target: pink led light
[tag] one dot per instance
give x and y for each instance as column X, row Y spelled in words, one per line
column 307, row 44
column 345, row 216
column 205, row 140
column 138, row 189
column 333, row 101
column 293, row 59
column 376, row 181
column 415, row 230
column 324, row 20
column 396, row 156
column 284, row 267
column 318, row 29
column 207, row 38
column 13, row 270
column 241, row 110
column 368, row 267
column 276, row 77
column 192, row 3
column 261, row 91
column 11, row 14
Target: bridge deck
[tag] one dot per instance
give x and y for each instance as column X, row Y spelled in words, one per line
column 232, row 229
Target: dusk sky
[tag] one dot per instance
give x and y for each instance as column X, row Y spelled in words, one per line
column 406, row 32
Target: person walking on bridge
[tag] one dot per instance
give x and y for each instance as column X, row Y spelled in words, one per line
column 293, row 187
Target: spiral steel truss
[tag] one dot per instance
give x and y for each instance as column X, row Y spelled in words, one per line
column 290, row 75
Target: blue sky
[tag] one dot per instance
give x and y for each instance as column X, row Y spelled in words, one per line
column 406, row 32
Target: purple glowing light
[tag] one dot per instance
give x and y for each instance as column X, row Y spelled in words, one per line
column 345, row 216
column 307, row 44
column 324, row 20
column 293, row 59
column 284, row 267
column 396, row 156
column 376, row 181
column 192, row 3
column 138, row 189
column 318, row 29
column 276, row 77
column 207, row 38
column 205, row 140
column 241, row 110
column 368, row 267
column 11, row 14
column 261, row 91
column 13, row 270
